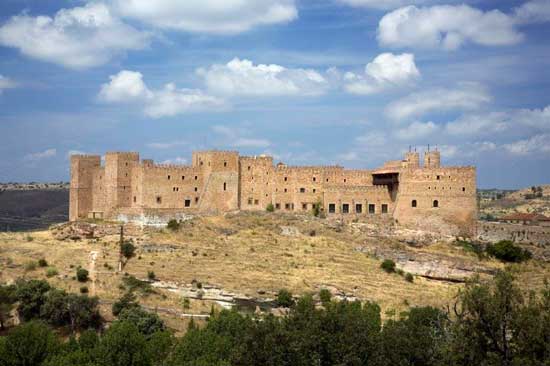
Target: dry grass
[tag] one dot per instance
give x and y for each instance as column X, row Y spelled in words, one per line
column 243, row 254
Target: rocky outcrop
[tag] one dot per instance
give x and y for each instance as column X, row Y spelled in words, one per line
column 80, row 230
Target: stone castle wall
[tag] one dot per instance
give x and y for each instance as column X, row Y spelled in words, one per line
column 222, row 181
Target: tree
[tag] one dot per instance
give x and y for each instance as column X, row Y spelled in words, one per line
column 31, row 296
column 388, row 265
column 128, row 300
column 28, row 344
column 123, row 345
column 82, row 274
column 284, row 298
column 127, row 249
column 7, row 300
column 507, row 251
column 146, row 322
column 78, row 311
column 324, row 296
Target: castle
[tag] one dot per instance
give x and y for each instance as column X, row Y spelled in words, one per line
column 221, row 181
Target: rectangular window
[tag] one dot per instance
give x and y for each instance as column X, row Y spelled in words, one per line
column 302, row 190
column 159, row 199
column 256, row 202
column 187, row 203
column 196, row 177
column 358, row 208
column 168, row 177
column 314, row 179
column 183, row 177
column 345, row 208
column 314, row 190
column 277, row 206
column 225, row 186
column 135, row 199
column 250, row 201
column 331, row 208
column 304, row 206
column 372, row 208
column 196, row 199
column 196, row 189
column 384, row 208
column 287, row 206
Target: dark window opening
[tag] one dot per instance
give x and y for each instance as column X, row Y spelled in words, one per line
column 463, row 189
column 196, row 199
column 314, row 190
column 345, row 208
column 372, row 208
column 331, row 208
column 249, row 167
column 250, row 201
column 436, row 203
column 168, row 177
column 135, row 199
column 327, row 179
column 286, row 179
column 277, row 206
column 304, row 206
column 183, row 177
column 438, row 177
column 196, row 189
column 384, row 208
column 358, row 208
column 225, row 186
column 196, row 177
column 413, row 203
column 256, row 202
column 159, row 199
column 286, row 190
column 287, row 206
column 302, row 190
column 345, row 180
column 314, row 179
column 187, row 203
column 225, row 163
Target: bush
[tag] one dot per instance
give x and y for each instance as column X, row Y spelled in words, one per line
column 30, row 266
column 409, row 277
column 51, row 271
column 284, row 298
column 151, row 275
column 82, row 274
column 173, row 225
column 29, row 238
column 325, row 296
column 507, row 251
column 128, row 300
column 317, row 209
column 127, row 249
column 42, row 262
column 185, row 303
column 270, row 207
column 31, row 296
column 388, row 265
column 147, row 323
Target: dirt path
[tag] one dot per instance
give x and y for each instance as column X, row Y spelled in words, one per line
column 92, row 271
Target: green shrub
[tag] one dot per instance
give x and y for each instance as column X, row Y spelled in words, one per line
column 409, row 277
column 30, row 266
column 128, row 300
column 325, row 295
column 82, row 274
column 388, row 265
column 284, row 298
column 471, row 247
column 29, row 238
column 400, row 272
column 507, row 251
column 51, row 271
column 151, row 275
column 185, row 303
column 173, row 225
column 127, row 249
column 270, row 207
column 42, row 262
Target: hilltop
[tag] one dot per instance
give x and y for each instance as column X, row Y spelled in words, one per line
column 528, row 200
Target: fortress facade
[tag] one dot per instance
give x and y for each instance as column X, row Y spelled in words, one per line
column 411, row 193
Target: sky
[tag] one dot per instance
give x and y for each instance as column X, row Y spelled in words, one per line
column 310, row 82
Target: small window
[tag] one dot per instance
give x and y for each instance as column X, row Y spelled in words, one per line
column 135, row 199
column 196, row 199
column 358, row 208
column 249, row 167
column 196, row 189
column 331, row 208
column 159, row 199
column 413, row 203
column 286, row 179
column 304, row 206
column 202, row 163
column 224, row 186
column 225, row 163
column 183, row 177
column 314, row 190
column 345, row 208
column 250, row 201
column 256, row 202
column 302, row 190
column 187, row 203
column 287, row 206
column 384, row 208
column 277, row 206
column 345, row 180
column 463, row 189
column 438, row 177
column 436, row 203
column 372, row 208
column 327, row 180
column 196, row 177
column 314, row 179
column 286, row 190
column 168, row 177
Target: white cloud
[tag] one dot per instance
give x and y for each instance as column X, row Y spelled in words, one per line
column 208, row 16
column 381, row 4
column 467, row 96
column 372, row 139
column 385, row 71
column 236, row 137
column 75, row 152
column 78, row 38
column 128, row 87
column 6, row 83
column 536, row 11
column 417, row 130
column 166, row 145
column 175, row 161
column 447, row 27
column 49, row 153
column 242, row 77
column 538, row 144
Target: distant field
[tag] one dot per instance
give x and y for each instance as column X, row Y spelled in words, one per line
column 22, row 210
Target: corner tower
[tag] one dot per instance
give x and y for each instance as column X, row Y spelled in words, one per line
column 432, row 159
column 81, row 195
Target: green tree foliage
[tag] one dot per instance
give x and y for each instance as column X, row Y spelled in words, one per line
column 123, row 345
column 284, row 298
column 127, row 301
column 78, row 311
column 146, row 322
column 173, row 225
column 127, row 249
column 325, row 296
column 31, row 296
column 82, row 274
column 7, row 301
column 270, row 207
column 388, row 265
column 507, row 251
column 28, row 345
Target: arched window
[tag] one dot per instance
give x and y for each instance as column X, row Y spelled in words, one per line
column 436, row 203
column 413, row 203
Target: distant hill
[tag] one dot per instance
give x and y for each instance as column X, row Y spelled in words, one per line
column 532, row 200
column 30, row 209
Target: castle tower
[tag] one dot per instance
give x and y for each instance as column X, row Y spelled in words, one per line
column 412, row 159
column 432, row 159
column 82, row 170
column 118, row 178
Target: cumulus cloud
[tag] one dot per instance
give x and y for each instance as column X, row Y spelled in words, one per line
column 381, row 4
column 417, row 130
column 447, row 27
column 385, row 71
column 128, row 87
column 536, row 11
column 242, row 77
column 238, row 138
column 6, row 83
column 166, row 145
column 533, row 145
column 78, row 38
column 467, row 96
column 208, row 16
column 49, row 153
column 175, row 161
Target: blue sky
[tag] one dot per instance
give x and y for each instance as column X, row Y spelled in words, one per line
column 349, row 82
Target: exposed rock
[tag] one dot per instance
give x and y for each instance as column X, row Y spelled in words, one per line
column 290, row 231
column 84, row 230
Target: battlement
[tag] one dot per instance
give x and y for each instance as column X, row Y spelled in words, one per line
column 85, row 156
